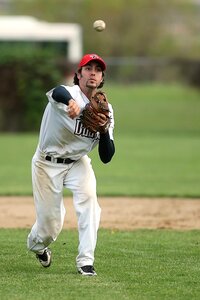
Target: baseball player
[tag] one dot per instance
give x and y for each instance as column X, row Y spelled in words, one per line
column 61, row 161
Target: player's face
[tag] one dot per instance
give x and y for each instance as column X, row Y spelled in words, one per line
column 91, row 76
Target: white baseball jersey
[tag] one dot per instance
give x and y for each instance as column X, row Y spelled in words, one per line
column 61, row 136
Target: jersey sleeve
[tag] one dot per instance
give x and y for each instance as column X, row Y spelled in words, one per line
column 56, row 104
column 61, row 94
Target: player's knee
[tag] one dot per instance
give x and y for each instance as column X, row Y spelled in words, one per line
column 88, row 191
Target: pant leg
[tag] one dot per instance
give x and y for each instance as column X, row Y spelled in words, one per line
column 82, row 182
column 47, row 181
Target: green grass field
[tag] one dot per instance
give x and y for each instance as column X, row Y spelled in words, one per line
column 157, row 154
column 157, row 146
column 142, row 264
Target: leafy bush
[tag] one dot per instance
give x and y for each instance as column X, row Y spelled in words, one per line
column 28, row 71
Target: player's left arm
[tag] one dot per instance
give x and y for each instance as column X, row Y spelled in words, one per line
column 106, row 147
column 60, row 94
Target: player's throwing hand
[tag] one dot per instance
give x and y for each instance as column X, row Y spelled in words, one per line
column 73, row 109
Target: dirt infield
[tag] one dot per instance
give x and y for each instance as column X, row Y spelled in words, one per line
column 117, row 213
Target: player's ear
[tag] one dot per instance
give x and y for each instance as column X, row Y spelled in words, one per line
column 79, row 74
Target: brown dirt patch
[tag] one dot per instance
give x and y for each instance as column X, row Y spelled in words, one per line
column 117, row 213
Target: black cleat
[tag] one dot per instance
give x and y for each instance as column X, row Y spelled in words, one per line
column 87, row 271
column 45, row 258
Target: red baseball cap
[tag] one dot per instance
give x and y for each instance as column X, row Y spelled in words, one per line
column 90, row 57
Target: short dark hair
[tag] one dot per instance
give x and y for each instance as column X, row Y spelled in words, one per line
column 76, row 80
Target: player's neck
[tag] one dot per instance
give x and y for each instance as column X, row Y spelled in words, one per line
column 89, row 92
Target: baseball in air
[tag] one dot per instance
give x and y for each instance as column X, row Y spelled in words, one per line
column 99, row 25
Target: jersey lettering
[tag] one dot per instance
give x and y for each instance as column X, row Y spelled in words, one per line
column 82, row 131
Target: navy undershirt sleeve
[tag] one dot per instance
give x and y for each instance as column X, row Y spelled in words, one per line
column 60, row 94
column 106, row 148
